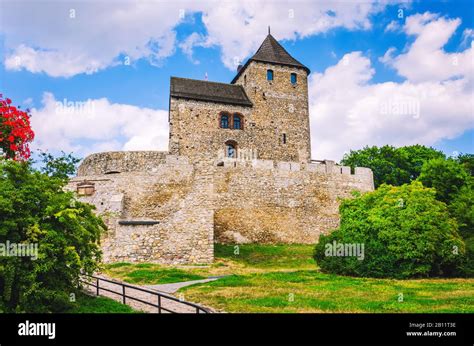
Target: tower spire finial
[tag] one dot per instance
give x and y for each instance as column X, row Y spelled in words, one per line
column 269, row 30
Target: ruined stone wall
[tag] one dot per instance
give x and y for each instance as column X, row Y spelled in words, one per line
column 281, row 202
column 162, row 214
column 280, row 107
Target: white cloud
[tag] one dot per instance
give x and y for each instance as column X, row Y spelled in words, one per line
column 349, row 112
column 97, row 125
column 69, row 38
column 393, row 26
column 426, row 60
column 193, row 40
column 467, row 36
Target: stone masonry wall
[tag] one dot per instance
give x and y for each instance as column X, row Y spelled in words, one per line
column 279, row 108
column 195, row 131
column 172, row 193
column 188, row 206
column 285, row 203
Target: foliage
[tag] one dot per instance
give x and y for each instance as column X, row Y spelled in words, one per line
column 462, row 208
column 406, row 233
column 390, row 165
column 34, row 209
column 15, row 131
column 467, row 160
column 446, row 176
column 61, row 167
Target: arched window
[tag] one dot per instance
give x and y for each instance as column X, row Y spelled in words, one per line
column 293, row 78
column 237, row 121
column 224, row 121
column 231, row 149
column 270, row 75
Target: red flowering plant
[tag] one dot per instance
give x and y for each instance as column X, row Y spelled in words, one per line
column 15, row 131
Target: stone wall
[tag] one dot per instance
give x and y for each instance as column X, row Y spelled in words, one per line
column 168, row 210
column 279, row 108
column 195, row 131
column 121, row 161
column 283, row 202
column 163, row 214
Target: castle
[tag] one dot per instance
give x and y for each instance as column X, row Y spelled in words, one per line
column 238, row 170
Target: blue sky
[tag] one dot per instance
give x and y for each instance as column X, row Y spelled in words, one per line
column 73, row 56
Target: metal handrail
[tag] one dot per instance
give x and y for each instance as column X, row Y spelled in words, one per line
column 199, row 309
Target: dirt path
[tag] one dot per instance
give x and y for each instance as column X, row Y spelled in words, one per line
column 145, row 296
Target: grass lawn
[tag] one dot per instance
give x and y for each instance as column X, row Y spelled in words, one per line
column 89, row 304
column 285, row 278
column 148, row 273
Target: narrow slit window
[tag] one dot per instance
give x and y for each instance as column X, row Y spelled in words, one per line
column 270, row 75
column 293, row 78
column 284, row 138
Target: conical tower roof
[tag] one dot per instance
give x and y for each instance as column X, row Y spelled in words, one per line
column 271, row 51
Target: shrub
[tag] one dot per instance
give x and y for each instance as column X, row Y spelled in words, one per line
column 34, row 209
column 405, row 232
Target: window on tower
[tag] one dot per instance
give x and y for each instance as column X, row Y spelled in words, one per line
column 270, row 75
column 293, row 78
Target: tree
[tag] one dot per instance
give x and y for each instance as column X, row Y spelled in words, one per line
column 36, row 211
column 461, row 207
column 61, row 167
column 390, row 165
column 15, row 131
column 446, row 176
column 467, row 160
column 405, row 232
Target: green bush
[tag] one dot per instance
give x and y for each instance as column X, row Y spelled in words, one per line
column 34, row 209
column 405, row 232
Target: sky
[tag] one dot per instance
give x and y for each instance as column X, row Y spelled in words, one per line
column 96, row 74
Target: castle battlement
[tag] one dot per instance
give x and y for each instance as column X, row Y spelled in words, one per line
column 116, row 162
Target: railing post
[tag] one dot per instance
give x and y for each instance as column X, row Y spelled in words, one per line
column 123, row 292
column 159, row 304
column 97, row 286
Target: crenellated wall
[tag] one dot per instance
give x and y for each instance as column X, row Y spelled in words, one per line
column 281, row 202
column 162, row 208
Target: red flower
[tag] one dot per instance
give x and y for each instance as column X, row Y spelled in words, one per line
column 15, row 131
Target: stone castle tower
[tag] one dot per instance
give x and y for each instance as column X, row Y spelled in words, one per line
column 262, row 113
column 238, row 170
